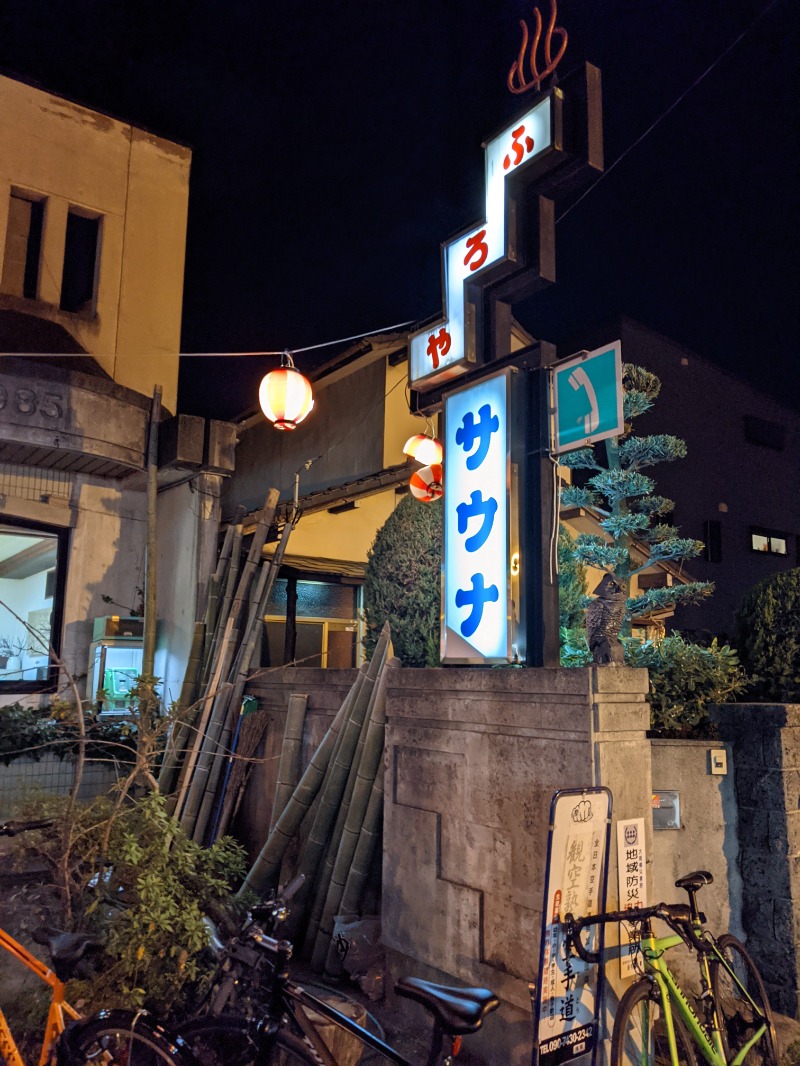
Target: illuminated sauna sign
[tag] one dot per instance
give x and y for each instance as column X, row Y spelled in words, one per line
column 476, row 535
column 447, row 349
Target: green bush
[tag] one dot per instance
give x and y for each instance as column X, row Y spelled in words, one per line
column 403, row 582
column 149, row 907
column 32, row 731
column 685, row 678
column 768, row 622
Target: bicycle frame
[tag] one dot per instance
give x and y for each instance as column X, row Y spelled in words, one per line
column 296, row 1001
column 59, row 1008
column 653, row 950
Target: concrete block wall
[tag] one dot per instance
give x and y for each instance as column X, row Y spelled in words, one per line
column 765, row 739
column 473, row 760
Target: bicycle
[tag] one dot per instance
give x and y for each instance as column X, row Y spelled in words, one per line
column 275, row 1024
column 109, row 1037
column 655, row 1022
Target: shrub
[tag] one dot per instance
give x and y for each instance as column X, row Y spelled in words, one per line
column 768, row 622
column 403, row 582
column 31, row 731
column 149, row 905
column 685, row 678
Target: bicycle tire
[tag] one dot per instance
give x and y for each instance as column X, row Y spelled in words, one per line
column 640, row 1033
column 120, row 1036
column 737, row 1018
column 230, row 1040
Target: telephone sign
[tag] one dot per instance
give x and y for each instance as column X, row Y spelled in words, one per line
column 588, row 398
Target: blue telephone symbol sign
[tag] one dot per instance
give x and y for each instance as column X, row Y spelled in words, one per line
column 588, row 398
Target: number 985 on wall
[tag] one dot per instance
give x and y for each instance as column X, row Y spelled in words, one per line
column 23, row 400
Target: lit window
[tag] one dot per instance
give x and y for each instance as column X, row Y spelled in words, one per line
column 31, row 602
column 766, row 540
column 23, row 247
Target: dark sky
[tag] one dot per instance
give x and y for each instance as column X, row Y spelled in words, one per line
column 337, row 144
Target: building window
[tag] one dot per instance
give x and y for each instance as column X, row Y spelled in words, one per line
column 712, row 539
column 79, row 279
column 31, row 604
column 765, row 433
column 311, row 623
column 770, row 541
column 23, row 247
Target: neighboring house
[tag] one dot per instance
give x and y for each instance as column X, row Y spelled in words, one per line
column 736, row 490
column 347, row 467
column 92, row 236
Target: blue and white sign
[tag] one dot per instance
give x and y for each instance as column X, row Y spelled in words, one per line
column 438, row 353
column 588, row 398
column 476, row 627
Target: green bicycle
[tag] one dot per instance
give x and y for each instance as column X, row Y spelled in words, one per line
column 655, row 1023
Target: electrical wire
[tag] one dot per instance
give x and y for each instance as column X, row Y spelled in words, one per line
column 670, row 109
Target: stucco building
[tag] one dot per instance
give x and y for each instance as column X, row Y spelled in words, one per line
column 93, row 216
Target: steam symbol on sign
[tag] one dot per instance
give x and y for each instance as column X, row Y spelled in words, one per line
column 582, row 812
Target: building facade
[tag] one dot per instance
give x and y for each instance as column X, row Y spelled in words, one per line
column 93, row 216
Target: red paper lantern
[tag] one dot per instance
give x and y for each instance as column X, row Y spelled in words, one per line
column 424, row 449
column 285, row 397
column 426, row 483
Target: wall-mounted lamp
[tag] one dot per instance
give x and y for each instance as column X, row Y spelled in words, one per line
column 285, row 395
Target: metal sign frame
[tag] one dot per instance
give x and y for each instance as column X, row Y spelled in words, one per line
column 574, row 1035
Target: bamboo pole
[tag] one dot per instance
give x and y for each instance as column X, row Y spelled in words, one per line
column 368, row 840
column 291, row 755
column 214, row 748
column 179, row 732
column 151, row 562
column 223, row 609
column 326, row 869
column 267, row 866
column 331, row 794
column 365, row 778
column 220, row 736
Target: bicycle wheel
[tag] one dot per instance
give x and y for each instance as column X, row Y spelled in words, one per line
column 640, row 1033
column 230, row 1040
column 119, row 1036
column 739, row 1020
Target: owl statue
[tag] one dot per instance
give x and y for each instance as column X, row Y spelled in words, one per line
column 604, row 618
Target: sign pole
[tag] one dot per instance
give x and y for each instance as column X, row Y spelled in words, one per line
column 539, row 533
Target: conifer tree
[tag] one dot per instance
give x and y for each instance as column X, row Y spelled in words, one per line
column 629, row 510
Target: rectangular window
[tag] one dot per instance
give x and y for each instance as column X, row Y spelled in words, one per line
column 765, row 433
column 23, row 247
column 79, row 279
column 769, row 540
column 30, row 619
column 712, row 538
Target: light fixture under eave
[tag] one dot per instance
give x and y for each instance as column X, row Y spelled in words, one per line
column 285, row 395
column 424, row 449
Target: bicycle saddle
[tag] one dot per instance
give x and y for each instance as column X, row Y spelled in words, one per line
column 694, row 881
column 457, row 1010
column 66, row 949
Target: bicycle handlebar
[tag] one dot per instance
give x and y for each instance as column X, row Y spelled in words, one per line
column 676, row 915
column 11, row 829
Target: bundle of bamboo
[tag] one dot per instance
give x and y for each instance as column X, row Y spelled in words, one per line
column 334, row 811
column 211, row 701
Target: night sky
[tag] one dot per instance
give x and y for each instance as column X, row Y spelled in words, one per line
column 337, row 144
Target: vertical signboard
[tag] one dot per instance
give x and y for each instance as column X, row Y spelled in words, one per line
column 476, row 627
column 566, row 1020
column 632, row 884
column 440, row 352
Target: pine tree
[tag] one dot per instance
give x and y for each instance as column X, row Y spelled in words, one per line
column 629, row 511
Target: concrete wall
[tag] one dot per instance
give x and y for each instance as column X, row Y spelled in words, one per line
column 708, row 838
column 138, row 184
